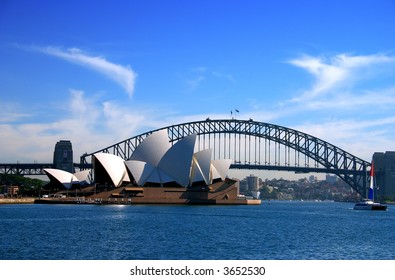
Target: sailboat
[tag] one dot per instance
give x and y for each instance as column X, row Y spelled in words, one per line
column 369, row 204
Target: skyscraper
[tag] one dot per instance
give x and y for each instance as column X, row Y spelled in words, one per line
column 384, row 169
column 253, row 184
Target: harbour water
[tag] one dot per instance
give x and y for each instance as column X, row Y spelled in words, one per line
column 271, row 231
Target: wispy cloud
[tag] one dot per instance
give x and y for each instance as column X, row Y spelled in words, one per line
column 87, row 121
column 123, row 75
column 359, row 137
column 197, row 77
column 228, row 77
column 375, row 99
column 195, row 82
column 202, row 74
column 349, row 102
column 338, row 72
column 11, row 112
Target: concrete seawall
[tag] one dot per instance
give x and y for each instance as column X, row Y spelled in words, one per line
column 28, row 200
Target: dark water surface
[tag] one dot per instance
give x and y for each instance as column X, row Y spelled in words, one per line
column 281, row 230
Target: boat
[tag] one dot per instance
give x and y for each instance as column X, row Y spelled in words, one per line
column 369, row 204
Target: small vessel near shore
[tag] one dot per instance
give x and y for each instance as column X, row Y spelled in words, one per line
column 369, row 204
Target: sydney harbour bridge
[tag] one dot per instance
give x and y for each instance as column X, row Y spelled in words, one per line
column 250, row 144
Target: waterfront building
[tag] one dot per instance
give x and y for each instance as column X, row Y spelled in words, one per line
column 384, row 168
column 11, row 191
column 331, row 179
column 253, row 183
column 243, row 185
column 158, row 172
column 312, row 179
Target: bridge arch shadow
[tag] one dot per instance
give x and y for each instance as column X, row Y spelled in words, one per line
column 259, row 146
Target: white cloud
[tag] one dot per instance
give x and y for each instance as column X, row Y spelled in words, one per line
column 123, row 75
column 347, row 103
column 92, row 125
column 199, row 75
column 225, row 76
column 195, row 82
column 335, row 73
column 122, row 120
column 376, row 100
column 11, row 112
column 87, row 123
column 359, row 137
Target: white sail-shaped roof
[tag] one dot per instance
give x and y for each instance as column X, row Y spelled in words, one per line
column 144, row 162
column 196, row 173
column 144, row 172
column 178, row 159
column 137, row 168
column 63, row 177
column 153, row 148
column 126, row 178
column 214, row 174
column 156, row 161
column 219, row 168
column 159, row 176
column 83, row 176
column 114, row 167
column 201, row 166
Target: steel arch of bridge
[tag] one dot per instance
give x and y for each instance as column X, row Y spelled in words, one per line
column 258, row 145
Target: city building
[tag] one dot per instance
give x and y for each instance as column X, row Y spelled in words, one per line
column 11, row 191
column 331, row 179
column 384, row 169
column 252, row 182
column 253, row 185
column 312, row 178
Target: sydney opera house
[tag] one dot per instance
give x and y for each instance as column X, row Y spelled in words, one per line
column 157, row 172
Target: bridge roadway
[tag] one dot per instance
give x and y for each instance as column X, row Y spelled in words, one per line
column 25, row 169
column 251, row 145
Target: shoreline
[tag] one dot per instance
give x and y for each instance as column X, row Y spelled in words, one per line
column 25, row 200
column 31, row 200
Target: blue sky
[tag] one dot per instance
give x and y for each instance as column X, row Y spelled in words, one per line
column 98, row 72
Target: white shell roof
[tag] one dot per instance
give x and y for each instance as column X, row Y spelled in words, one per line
column 174, row 165
column 153, row 148
column 201, row 166
column 114, row 166
column 144, row 172
column 64, row 177
column 219, row 168
column 137, row 168
column 83, row 176
column 178, row 159
column 159, row 176
column 126, row 177
column 156, row 161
